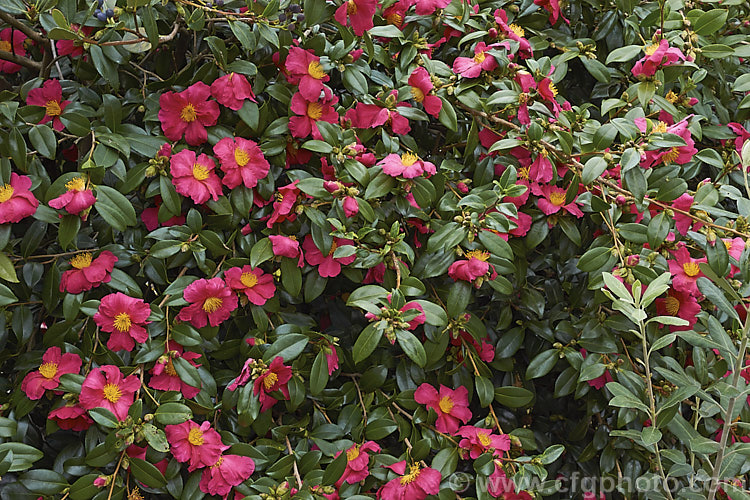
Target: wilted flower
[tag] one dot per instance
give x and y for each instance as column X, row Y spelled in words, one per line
column 232, row 90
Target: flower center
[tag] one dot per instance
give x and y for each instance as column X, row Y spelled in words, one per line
column 479, row 255
column 5, row 46
column 218, row 463
column 395, row 19
column 241, row 157
column 351, row 7
column 411, row 476
column 417, row 93
column 169, row 369
column 212, row 304
column 6, row 192
column 200, row 172
column 691, row 269
column 479, row 57
column 557, row 198
column 76, row 184
column 188, row 114
column 195, row 436
column 650, row 49
column 445, row 404
column 517, row 30
column 48, row 370
column 270, row 380
column 112, row 393
column 524, row 173
column 53, row 108
column 122, row 322
column 409, row 159
column 81, row 261
column 553, row 89
column 315, row 70
column 249, row 279
column 314, row 110
column 484, row 438
column 659, row 128
column 672, row 305
column 334, row 246
column 672, row 97
column 352, row 454
column 671, row 156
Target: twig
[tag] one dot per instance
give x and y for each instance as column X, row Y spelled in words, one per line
column 361, row 402
column 114, row 474
column 296, row 470
column 26, row 30
column 20, row 60
column 166, row 297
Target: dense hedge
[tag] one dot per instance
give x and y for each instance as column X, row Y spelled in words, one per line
column 395, row 249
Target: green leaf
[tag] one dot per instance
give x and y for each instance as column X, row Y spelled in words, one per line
column 622, row 54
column 7, row 271
column 485, row 390
column 542, row 363
column 319, row 374
column 43, row 140
column 366, row 342
column 594, row 167
column 513, row 397
column 288, row 346
column 412, row 347
column 187, row 372
column 104, row 66
column 147, row 473
column 710, row 22
column 6, row 297
column 104, row 417
column 172, row 413
column 594, row 259
column 43, row 481
column 650, row 436
column 334, row 470
column 459, row 295
column 261, row 252
column 115, row 208
column 24, row 455
column 717, row 297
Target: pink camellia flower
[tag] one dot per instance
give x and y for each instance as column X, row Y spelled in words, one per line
column 16, row 201
column 501, row 486
column 472, row 67
column 211, row 302
column 475, row 266
column 357, row 462
column 478, row 440
column 450, row 405
column 283, row 205
column 360, row 14
column 195, row 177
column 350, row 206
column 676, row 154
column 553, row 7
column 541, row 169
column 188, row 113
column 407, row 166
column 682, row 222
column 286, row 246
column 427, row 7
column 232, row 90
column 73, row 48
column 421, row 89
column 165, row 377
column 125, row 318
column 257, row 286
column 49, row 96
column 105, row 387
column 679, row 304
column 414, row 485
column 396, row 13
column 47, row 376
column 246, row 372
column 12, row 40
column 76, row 199
column 512, row 32
column 328, row 265
column 87, row 273
column 304, row 69
column 228, row 471
column 199, row 445
column 685, row 272
column 274, row 378
column 332, row 358
column 310, row 112
column 735, row 247
column 374, row 115
column 150, row 217
column 657, row 55
column 71, row 417
column 554, row 201
column 242, row 162
column 101, row 481
column 742, row 135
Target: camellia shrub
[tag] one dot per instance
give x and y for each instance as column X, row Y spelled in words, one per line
column 397, row 249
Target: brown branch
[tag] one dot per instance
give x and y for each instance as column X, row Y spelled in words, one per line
column 23, row 61
column 26, row 30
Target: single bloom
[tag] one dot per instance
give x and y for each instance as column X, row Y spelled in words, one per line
column 71, row 417
column 49, row 96
column 328, row 265
column 553, row 7
column 16, row 200
column 125, row 318
column 386, row 113
column 199, row 445
column 12, row 40
column 683, row 223
column 413, row 485
column 479, row 440
column 332, row 358
column 73, row 48
column 286, row 246
column 679, row 304
column 228, row 471
column 309, row 112
column 87, row 272
column 283, row 205
column 232, row 90
column 242, row 162
column 76, row 198
column 357, row 462
column 554, row 201
column 735, row 247
column 257, row 286
column 422, row 91
column 164, row 377
column 47, row 376
column 194, row 176
column 211, row 302
column 188, row 113
column 274, row 378
column 450, row 405
column 407, row 166
column 676, row 154
column 512, row 32
column 475, row 266
column 304, row 69
column 105, row 387
column 657, row 55
column 359, row 13
column 685, row 272
column 472, row 67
